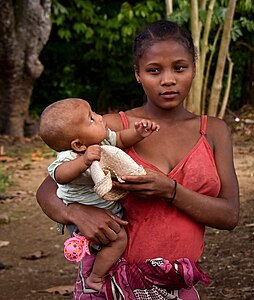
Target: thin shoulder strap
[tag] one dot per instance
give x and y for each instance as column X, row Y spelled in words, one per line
column 203, row 124
column 124, row 119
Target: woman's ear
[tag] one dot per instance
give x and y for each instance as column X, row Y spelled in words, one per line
column 136, row 70
column 77, row 146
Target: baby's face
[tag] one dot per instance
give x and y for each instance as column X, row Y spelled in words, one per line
column 92, row 129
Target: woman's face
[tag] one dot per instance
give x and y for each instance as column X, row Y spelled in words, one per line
column 166, row 71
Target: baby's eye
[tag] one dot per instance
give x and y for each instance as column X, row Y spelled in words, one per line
column 92, row 120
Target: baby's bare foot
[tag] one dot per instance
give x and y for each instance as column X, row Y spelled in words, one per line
column 95, row 283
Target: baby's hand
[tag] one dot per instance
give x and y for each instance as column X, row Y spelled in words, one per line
column 146, row 127
column 92, row 153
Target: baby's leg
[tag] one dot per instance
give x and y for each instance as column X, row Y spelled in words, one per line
column 105, row 258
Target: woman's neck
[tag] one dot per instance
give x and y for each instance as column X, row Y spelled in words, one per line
column 157, row 113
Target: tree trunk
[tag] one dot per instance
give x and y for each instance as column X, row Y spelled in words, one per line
column 169, row 7
column 224, row 46
column 24, row 30
column 208, row 67
column 195, row 98
column 205, row 38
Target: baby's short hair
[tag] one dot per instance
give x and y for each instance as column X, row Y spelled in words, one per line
column 56, row 122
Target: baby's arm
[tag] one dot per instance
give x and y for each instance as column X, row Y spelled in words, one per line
column 142, row 129
column 70, row 170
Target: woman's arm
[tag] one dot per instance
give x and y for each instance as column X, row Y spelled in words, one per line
column 51, row 205
column 98, row 225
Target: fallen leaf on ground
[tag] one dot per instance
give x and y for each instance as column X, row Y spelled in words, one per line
column 249, row 225
column 37, row 156
column 4, row 243
column 60, row 289
column 5, row 158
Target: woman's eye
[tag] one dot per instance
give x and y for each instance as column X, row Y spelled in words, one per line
column 180, row 68
column 154, row 71
column 92, row 120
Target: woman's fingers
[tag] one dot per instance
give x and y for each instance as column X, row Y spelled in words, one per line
column 105, row 237
column 154, row 183
column 134, row 182
column 116, row 222
column 136, row 179
column 108, row 232
column 96, row 224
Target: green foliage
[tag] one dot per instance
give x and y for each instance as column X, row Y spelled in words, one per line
column 89, row 51
column 236, row 31
column 245, row 5
column 181, row 12
column 239, row 25
column 219, row 15
column 88, row 54
column 241, row 53
column 5, row 179
column 248, row 24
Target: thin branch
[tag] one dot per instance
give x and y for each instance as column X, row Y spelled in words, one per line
column 204, row 93
column 204, row 47
column 227, row 91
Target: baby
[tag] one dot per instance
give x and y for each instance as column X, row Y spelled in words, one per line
column 71, row 128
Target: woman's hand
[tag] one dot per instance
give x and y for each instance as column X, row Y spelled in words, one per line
column 153, row 183
column 96, row 224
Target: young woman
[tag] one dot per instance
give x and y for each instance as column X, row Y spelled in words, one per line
column 190, row 182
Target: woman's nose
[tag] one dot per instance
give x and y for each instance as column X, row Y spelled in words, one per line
column 168, row 78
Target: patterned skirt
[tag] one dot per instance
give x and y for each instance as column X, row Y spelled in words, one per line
column 154, row 279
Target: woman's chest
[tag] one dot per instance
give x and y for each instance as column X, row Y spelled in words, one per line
column 166, row 148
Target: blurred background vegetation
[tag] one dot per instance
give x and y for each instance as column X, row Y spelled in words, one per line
column 55, row 49
column 89, row 55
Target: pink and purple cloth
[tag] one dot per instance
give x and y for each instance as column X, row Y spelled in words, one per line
column 153, row 279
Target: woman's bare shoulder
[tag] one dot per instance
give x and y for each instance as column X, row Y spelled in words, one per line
column 218, row 131
column 214, row 124
column 114, row 121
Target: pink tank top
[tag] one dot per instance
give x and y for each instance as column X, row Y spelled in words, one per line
column 158, row 229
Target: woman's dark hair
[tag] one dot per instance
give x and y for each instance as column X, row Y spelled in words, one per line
column 160, row 31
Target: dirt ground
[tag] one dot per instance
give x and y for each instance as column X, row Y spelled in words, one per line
column 31, row 259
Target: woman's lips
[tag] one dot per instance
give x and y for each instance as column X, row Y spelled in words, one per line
column 169, row 95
